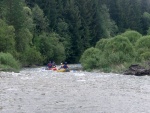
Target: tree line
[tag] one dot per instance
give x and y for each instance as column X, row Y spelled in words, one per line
column 36, row 31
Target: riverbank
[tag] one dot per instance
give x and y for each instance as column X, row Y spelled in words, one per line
column 138, row 69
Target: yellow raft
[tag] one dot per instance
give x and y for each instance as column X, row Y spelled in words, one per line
column 63, row 70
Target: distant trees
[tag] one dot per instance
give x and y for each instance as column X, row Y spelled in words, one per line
column 40, row 22
column 21, row 34
column 63, row 29
column 50, row 47
column 14, row 13
column 88, row 21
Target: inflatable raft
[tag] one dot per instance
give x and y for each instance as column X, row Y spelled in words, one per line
column 63, row 70
column 54, row 68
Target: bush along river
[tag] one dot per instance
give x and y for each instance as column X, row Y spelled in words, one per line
column 36, row 90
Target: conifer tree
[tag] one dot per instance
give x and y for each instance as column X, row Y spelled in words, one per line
column 39, row 19
column 14, row 13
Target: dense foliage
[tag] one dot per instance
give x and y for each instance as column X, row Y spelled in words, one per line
column 133, row 36
column 8, row 62
column 36, row 31
column 90, row 58
column 143, row 47
column 117, row 52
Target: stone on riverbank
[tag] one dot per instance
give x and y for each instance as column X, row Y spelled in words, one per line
column 137, row 70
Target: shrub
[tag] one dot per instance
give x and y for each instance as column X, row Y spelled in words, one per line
column 133, row 36
column 119, row 43
column 143, row 46
column 119, row 50
column 145, row 56
column 118, row 58
column 103, row 61
column 90, row 58
column 108, row 54
column 101, row 44
column 8, row 61
column 143, row 42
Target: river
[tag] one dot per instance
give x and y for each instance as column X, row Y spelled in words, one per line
column 36, row 90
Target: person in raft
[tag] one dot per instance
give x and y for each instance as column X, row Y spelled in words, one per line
column 53, row 64
column 49, row 65
column 61, row 66
column 65, row 66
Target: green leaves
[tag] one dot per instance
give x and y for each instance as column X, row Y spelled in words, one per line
column 31, row 57
column 50, row 47
column 24, row 40
column 40, row 21
column 133, row 36
column 8, row 62
column 109, row 53
column 14, row 13
column 7, row 37
column 143, row 47
column 90, row 58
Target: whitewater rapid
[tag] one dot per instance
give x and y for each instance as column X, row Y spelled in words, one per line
column 36, row 90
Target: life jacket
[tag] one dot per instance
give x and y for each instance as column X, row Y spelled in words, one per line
column 65, row 66
column 49, row 65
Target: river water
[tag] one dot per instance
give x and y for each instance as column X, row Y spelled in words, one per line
column 43, row 91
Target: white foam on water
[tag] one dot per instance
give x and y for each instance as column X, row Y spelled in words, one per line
column 81, row 80
column 26, row 78
column 12, row 89
column 93, row 80
column 79, row 74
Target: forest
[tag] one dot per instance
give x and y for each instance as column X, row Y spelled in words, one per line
column 95, row 33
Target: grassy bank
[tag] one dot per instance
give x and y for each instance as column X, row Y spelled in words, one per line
column 8, row 62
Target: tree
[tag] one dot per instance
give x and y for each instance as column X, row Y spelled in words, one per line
column 24, row 40
column 28, row 23
column 145, row 22
column 72, row 17
column 50, row 47
column 7, row 38
column 40, row 20
column 2, row 10
column 109, row 27
column 64, row 36
column 14, row 13
column 84, row 8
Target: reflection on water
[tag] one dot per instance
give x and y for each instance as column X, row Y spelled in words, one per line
column 37, row 90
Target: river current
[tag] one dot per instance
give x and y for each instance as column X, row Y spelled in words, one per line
column 36, row 90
